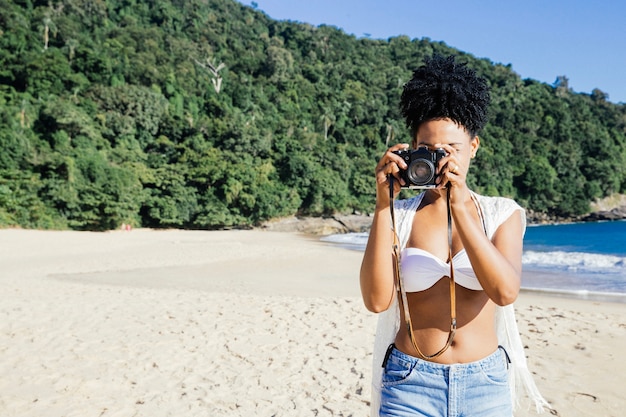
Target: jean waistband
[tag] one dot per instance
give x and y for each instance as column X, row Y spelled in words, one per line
column 494, row 359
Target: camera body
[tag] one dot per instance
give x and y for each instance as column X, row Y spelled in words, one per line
column 421, row 167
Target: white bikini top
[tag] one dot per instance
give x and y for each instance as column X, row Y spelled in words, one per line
column 421, row 270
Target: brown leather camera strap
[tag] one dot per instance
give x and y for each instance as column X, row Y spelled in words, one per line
column 402, row 298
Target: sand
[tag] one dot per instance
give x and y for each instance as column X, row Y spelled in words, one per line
column 237, row 323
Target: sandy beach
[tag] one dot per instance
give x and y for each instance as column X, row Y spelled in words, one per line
column 237, row 323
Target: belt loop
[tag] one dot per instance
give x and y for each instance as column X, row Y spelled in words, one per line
column 387, row 354
column 508, row 359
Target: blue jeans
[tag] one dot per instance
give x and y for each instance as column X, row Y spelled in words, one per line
column 415, row 387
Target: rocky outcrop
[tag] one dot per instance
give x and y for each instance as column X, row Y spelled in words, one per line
column 618, row 213
column 609, row 209
column 321, row 226
column 354, row 223
column 612, row 207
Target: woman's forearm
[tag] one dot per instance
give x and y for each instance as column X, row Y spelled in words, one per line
column 377, row 286
column 497, row 264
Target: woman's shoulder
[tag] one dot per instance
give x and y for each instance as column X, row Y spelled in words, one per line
column 498, row 203
column 498, row 209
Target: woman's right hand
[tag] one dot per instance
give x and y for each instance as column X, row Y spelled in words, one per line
column 389, row 164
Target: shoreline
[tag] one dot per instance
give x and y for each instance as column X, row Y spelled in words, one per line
column 237, row 323
column 612, row 209
column 577, row 295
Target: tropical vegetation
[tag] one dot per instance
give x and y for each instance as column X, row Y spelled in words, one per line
column 208, row 114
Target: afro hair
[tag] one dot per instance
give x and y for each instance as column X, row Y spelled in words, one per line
column 445, row 89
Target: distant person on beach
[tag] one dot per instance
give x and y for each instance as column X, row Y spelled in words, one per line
column 447, row 342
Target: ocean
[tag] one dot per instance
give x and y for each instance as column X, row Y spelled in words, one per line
column 580, row 260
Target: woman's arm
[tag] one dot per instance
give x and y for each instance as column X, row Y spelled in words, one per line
column 497, row 263
column 377, row 286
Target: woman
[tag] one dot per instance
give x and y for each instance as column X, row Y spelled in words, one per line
column 453, row 356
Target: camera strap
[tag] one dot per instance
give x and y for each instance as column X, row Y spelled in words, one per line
column 402, row 298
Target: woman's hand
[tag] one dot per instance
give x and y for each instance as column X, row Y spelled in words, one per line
column 453, row 170
column 389, row 164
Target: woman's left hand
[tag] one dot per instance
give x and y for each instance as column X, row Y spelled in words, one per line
column 452, row 171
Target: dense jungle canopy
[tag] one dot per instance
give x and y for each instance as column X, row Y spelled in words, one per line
column 208, row 114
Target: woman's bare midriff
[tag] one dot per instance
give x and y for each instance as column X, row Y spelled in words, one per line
column 475, row 336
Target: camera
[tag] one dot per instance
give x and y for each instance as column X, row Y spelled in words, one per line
column 421, row 167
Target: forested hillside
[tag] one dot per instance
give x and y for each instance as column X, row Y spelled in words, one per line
column 208, row 114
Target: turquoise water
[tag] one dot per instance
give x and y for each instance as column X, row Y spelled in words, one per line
column 602, row 238
column 580, row 258
column 586, row 260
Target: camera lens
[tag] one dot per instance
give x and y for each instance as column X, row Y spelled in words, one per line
column 420, row 172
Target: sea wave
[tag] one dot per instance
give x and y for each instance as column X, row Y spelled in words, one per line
column 616, row 297
column 575, row 261
column 561, row 260
column 356, row 241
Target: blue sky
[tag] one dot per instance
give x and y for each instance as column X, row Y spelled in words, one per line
column 541, row 39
